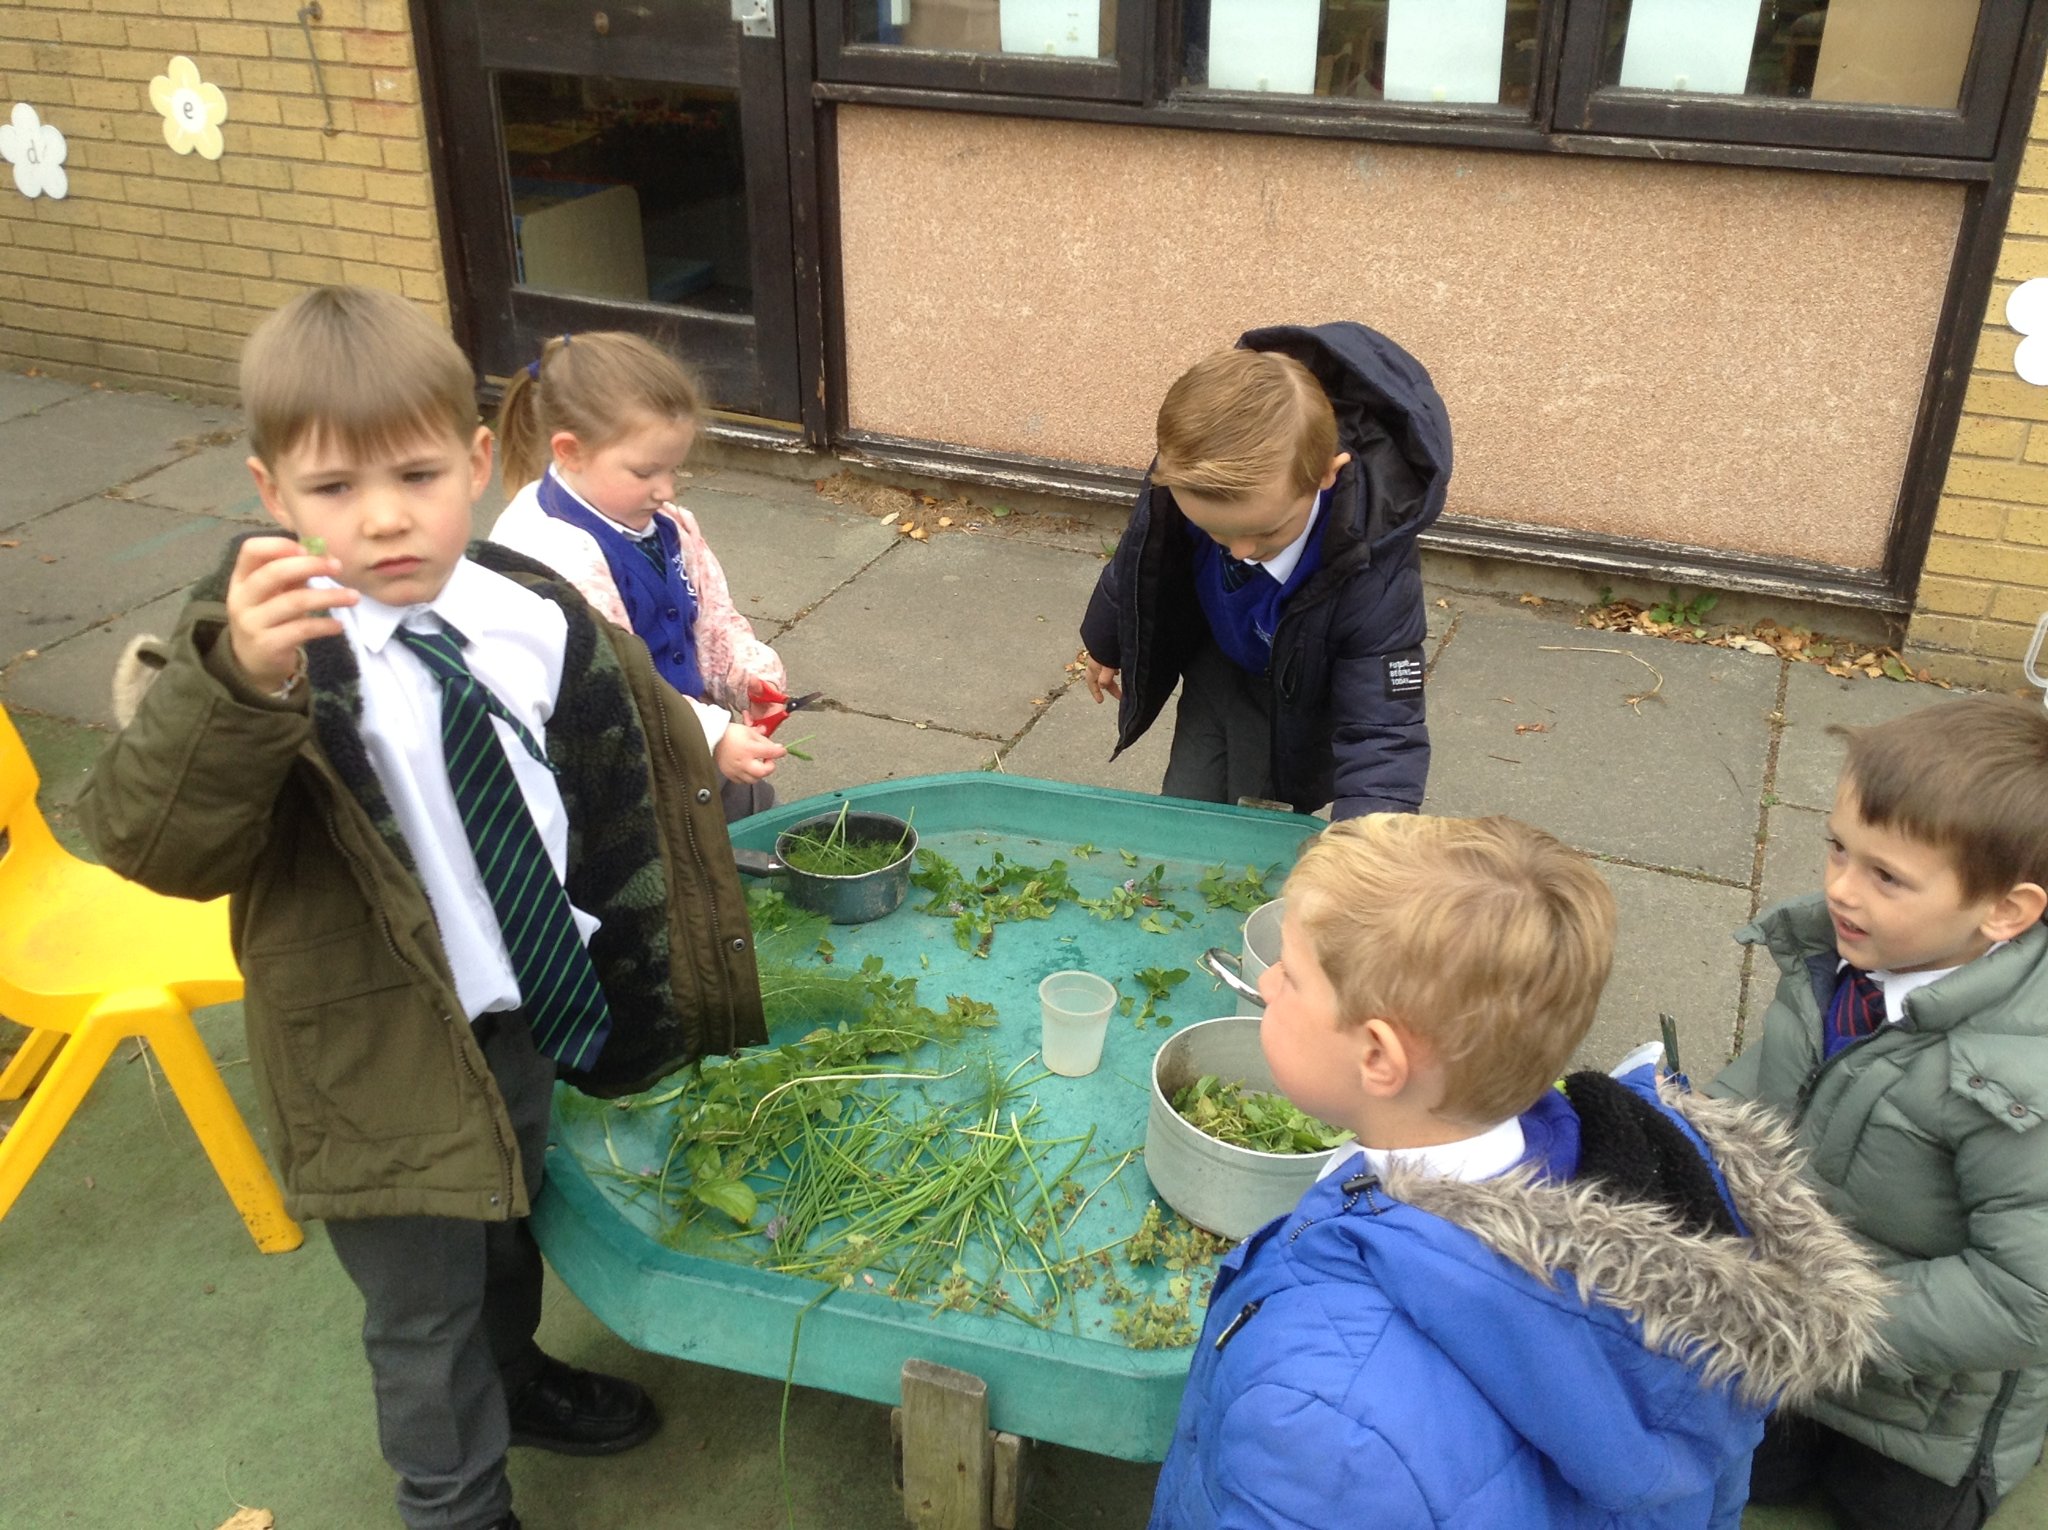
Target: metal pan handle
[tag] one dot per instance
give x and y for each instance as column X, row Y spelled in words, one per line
column 757, row 863
column 1225, row 967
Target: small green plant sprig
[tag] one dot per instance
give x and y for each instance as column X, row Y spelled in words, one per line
column 1002, row 890
column 1684, row 610
column 1158, row 983
column 1251, row 1118
column 1245, row 893
column 1144, row 895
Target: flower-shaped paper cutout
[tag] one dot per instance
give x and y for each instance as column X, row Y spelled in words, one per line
column 2027, row 311
column 193, row 110
column 36, row 150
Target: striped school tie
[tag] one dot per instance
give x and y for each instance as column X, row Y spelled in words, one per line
column 558, row 986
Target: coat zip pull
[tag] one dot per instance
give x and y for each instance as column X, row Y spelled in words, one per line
column 1244, row 1316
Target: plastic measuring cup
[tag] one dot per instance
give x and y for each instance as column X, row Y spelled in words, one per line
column 1073, row 1009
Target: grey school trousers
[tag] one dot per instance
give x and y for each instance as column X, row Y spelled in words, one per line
column 1222, row 733
column 449, row 1312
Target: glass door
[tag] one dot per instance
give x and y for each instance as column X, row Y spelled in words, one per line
column 623, row 166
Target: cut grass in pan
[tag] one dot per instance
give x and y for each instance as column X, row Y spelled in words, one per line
column 840, row 850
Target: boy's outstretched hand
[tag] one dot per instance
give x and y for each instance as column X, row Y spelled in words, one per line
column 746, row 755
column 271, row 610
column 1101, row 678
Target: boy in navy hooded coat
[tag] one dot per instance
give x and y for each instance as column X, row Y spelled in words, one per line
column 1513, row 1304
column 1270, row 568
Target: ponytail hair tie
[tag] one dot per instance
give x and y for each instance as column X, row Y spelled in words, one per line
column 533, row 369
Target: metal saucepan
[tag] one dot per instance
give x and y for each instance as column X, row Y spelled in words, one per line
column 1241, row 973
column 843, row 900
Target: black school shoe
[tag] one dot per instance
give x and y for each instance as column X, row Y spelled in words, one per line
column 580, row 1413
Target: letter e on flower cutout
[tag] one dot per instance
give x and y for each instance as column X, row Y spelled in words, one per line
column 192, row 109
column 36, row 150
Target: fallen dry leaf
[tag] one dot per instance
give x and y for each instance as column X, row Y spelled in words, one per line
column 890, row 517
column 16, row 542
column 1532, row 727
column 945, row 520
column 919, row 534
column 250, row 1519
column 1532, row 600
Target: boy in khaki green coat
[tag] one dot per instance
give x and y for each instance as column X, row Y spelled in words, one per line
column 468, row 835
column 1909, row 1043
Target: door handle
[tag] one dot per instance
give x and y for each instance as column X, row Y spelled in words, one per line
column 756, row 17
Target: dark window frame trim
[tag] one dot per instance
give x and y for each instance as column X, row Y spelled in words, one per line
column 1970, row 130
column 1123, row 78
column 1210, row 113
column 1566, row 102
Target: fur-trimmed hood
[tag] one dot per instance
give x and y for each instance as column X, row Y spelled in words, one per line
column 1786, row 1314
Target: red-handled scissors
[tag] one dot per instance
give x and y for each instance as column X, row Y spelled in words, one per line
column 762, row 692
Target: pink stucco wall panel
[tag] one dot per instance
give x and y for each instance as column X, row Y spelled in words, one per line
column 1723, row 357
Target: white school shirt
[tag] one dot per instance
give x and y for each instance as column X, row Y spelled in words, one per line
column 1281, row 564
column 1494, row 1151
column 516, row 641
column 1897, row 985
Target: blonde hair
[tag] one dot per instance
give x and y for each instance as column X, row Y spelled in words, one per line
column 1488, row 939
column 364, row 367
column 1968, row 777
column 594, row 386
column 1236, row 421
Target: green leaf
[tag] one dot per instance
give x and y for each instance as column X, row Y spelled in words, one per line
column 1082, row 852
column 1130, row 858
column 1894, row 670
column 999, row 510
column 1152, row 925
column 733, row 1197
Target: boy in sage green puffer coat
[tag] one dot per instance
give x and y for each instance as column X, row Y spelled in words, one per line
column 1909, row 1043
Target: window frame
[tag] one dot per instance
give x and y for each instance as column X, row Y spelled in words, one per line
column 1967, row 131
column 1568, row 112
column 1127, row 77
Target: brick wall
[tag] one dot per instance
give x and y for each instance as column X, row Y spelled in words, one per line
column 1986, row 578
column 157, row 264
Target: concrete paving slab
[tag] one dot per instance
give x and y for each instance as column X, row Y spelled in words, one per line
column 848, row 749
column 21, row 395
column 73, row 678
column 1793, row 853
column 212, row 481
column 1672, row 955
column 962, row 632
column 80, row 446
column 106, row 556
column 1673, row 783
column 1808, row 758
column 1072, row 741
column 782, row 547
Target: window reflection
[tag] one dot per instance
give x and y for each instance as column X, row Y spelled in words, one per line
column 1877, row 52
column 627, row 189
column 1040, row 28
column 1446, row 51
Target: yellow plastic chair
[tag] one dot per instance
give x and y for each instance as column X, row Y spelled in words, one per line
column 87, row 958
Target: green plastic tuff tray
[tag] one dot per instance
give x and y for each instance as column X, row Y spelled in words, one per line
column 1076, row 1382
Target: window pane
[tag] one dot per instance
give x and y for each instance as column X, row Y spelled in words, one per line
column 1878, row 52
column 1048, row 28
column 1481, row 51
column 627, row 189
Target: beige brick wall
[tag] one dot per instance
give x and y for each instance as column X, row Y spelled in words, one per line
column 157, row 264
column 1986, row 578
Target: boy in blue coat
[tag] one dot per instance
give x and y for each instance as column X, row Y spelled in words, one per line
column 1513, row 1304
column 1270, row 569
